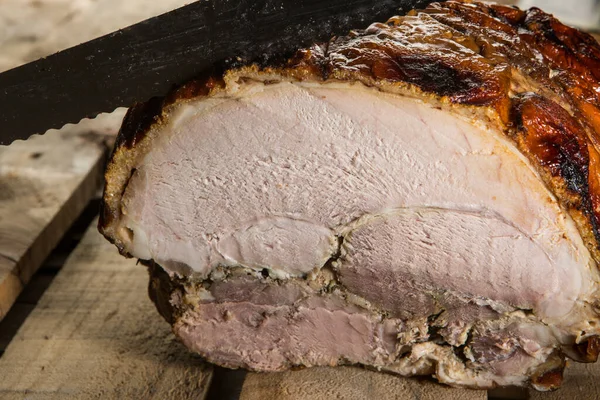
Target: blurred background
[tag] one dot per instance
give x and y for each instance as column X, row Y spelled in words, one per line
column 30, row 29
column 582, row 13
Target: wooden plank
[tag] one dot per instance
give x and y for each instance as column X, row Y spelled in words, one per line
column 347, row 383
column 95, row 334
column 45, row 183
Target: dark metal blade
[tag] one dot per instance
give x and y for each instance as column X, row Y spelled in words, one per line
column 149, row 58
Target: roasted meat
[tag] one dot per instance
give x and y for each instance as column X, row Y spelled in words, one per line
column 420, row 197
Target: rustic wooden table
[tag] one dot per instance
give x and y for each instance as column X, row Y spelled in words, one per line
column 80, row 324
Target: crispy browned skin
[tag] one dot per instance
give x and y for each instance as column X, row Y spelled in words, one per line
column 488, row 56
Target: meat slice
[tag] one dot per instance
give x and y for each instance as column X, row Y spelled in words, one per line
column 421, row 197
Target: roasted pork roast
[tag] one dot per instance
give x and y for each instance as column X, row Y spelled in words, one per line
column 421, row 197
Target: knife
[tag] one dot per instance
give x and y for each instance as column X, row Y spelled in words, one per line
column 148, row 59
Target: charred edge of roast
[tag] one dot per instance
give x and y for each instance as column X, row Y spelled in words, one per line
column 379, row 56
column 142, row 116
column 551, row 376
column 160, row 289
column 554, row 140
column 137, row 122
column 588, row 350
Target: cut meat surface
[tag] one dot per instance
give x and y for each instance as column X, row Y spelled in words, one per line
column 277, row 187
column 419, row 197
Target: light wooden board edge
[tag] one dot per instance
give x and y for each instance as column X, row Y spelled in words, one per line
column 48, row 238
column 96, row 334
column 45, row 184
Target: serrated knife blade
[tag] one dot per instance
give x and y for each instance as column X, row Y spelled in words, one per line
column 147, row 59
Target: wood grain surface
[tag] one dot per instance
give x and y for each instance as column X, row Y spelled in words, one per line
column 44, row 185
column 347, row 383
column 96, row 335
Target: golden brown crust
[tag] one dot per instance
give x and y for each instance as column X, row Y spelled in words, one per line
column 558, row 144
column 463, row 53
